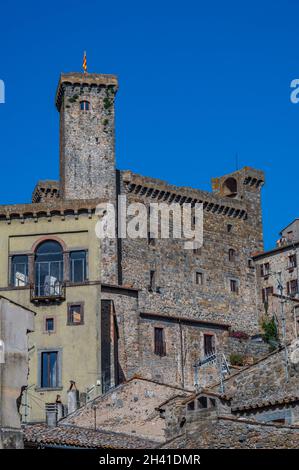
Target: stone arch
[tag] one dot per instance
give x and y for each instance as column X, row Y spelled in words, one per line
column 48, row 238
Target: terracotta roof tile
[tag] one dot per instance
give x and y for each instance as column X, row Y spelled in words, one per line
column 41, row 434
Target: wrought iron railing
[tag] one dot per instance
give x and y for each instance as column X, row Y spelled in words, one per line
column 54, row 291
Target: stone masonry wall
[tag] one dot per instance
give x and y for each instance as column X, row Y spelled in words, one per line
column 265, row 380
column 229, row 433
column 129, row 408
column 87, row 159
column 279, row 262
column 175, row 267
column 184, row 348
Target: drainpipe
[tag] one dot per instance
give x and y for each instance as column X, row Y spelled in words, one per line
column 182, row 354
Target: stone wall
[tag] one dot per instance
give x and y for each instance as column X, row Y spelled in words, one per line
column 248, row 348
column 279, row 262
column 129, row 408
column 228, row 224
column 184, row 344
column 230, row 433
column 87, row 154
column 265, row 380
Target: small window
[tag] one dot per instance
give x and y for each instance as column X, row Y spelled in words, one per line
column 229, row 228
column 49, row 325
column 212, row 402
column 292, row 287
column 152, row 280
column 84, row 105
column 231, row 254
column 78, row 266
column 191, row 406
column 234, row 286
column 250, row 263
column 75, row 314
column 49, row 369
column 160, row 346
column 199, row 278
column 202, row 402
column 292, row 261
column 209, row 345
column 265, row 269
column 266, row 293
column 19, row 270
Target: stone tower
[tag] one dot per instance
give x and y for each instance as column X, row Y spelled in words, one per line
column 87, row 154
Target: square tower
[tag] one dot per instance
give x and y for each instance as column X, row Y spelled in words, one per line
column 87, row 135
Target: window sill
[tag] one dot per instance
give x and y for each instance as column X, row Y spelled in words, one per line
column 47, row 389
column 10, row 287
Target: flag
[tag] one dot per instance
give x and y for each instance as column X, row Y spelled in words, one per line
column 84, row 65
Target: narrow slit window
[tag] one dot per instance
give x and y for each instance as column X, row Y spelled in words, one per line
column 199, row 278
column 160, row 346
column 234, row 286
column 231, row 254
column 209, row 345
column 152, row 280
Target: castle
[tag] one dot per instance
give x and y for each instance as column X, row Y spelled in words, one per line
column 108, row 311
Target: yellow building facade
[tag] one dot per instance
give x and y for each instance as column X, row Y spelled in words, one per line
column 66, row 343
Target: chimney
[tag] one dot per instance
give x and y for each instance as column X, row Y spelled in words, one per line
column 51, row 414
column 54, row 412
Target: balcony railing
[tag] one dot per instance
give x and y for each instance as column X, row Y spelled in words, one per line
column 47, row 292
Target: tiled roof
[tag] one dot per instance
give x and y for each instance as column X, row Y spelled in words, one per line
column 41, row 434
column 265, row 403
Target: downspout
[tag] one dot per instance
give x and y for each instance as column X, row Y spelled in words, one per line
column 118, row 238
column 182, row 354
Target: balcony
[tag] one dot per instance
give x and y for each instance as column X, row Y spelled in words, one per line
column 49, row 292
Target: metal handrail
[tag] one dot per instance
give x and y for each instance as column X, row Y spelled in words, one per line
column 47, row 292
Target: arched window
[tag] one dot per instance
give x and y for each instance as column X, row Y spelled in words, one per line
column 230, row 187
column 84, row 105
column 48, row 268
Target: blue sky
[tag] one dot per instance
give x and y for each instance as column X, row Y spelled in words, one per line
column 199, row 82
